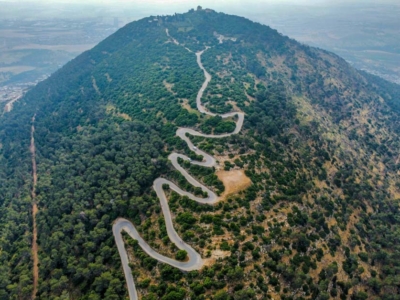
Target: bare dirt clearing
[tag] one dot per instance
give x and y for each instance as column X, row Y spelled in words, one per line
column 234, row 181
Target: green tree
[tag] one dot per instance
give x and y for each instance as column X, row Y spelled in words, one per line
column 181, row 255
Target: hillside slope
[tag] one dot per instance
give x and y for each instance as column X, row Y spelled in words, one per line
column 319, row 144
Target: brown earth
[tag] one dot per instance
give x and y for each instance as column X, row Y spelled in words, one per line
column 234, row 181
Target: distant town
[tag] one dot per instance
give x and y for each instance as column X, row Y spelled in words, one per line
column 12, row 92
column 31, row 50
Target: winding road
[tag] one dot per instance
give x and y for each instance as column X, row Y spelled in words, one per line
column 195, row 262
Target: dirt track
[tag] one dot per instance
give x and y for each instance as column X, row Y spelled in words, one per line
column 34, row 212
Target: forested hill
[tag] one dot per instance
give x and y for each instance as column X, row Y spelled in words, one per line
column 319, row 143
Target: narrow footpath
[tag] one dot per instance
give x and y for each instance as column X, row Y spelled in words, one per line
column 34, row 212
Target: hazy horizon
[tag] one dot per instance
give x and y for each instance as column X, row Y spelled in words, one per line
column 210, row 3
column 354, row 29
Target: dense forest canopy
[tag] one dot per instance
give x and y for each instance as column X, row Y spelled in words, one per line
column 319, row 144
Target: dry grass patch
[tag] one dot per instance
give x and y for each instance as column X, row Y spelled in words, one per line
column 234, row 181
column 124, row 116
column 234, row 105
column 96, row 88
column 111, row 109
column 216, row 254
column 185, row 104
column 109, row 79
column 169, row 87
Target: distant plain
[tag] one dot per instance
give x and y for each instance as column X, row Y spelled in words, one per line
column 38, row 40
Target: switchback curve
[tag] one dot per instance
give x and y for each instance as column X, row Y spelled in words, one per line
column 195, row 262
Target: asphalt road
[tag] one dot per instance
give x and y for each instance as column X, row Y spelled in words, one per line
column 195, row 262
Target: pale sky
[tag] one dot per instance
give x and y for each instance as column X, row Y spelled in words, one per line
column 191, row 2
column 164, row 1
column 204, row 3
column 140, row 8
column 155, row 7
